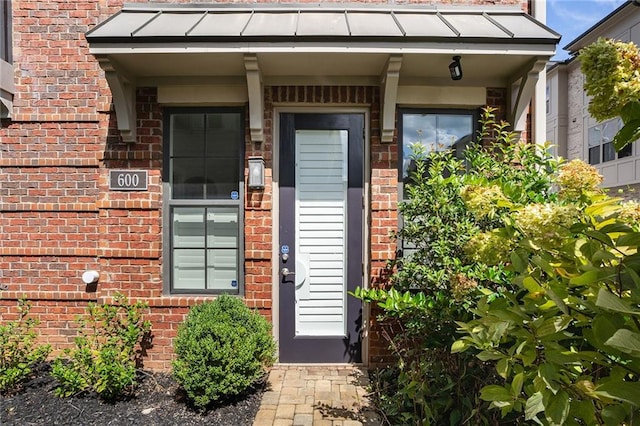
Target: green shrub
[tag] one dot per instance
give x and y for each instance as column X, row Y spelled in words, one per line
column 565, row 338
column 18, row 349
column 450, row 202
column 106, row 354
column 222, row 349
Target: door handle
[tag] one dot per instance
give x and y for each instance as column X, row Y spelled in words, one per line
column 285, row 272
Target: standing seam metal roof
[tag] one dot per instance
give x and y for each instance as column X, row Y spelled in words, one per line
column 300, row 23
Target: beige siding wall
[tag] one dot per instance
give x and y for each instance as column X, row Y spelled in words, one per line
column 576, row 112
column 617, row 173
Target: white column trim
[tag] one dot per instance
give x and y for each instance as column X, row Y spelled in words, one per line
column 389, row 89
column 123, row 93
column 256, row 97
column 523, row 87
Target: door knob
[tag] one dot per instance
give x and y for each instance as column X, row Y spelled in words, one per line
column 285, row 272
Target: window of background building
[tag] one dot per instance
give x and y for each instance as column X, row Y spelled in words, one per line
column 5, row 31
column 548, row 99
column 203, row 157
column 600, row 140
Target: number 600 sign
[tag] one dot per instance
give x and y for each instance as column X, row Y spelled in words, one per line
column 128, row 180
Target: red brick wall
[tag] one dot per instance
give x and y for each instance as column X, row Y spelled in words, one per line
column 57, row 216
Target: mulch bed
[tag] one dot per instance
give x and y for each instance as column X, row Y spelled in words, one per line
column 157, row 401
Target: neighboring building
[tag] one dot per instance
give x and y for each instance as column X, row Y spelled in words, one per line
column 177, row 151
column 569, row 124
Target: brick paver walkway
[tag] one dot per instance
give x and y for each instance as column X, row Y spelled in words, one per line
column 316, row 396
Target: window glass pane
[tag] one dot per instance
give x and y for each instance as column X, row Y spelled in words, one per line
column 187, row 135
column 224, row 134
column 594, row 155
column 608, row 152
column 5, row 31
column 188, row 178
column 437, row 132
column 626, row 151
column 548, row 99
column 222, row 178
column 222, row 227
column 609, row 130
column 417, row 129
column 222, row 269
column 188, row 269
column 595, row 135
column 453, row 128
column 188, row 227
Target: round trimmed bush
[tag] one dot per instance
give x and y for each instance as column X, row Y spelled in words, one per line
column 222, row 349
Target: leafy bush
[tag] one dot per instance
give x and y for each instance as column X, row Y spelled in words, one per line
column 18, row 349
column 107, row 351
column 222, row 349
column 449, row 202
column 612, row 79
column 566, row 336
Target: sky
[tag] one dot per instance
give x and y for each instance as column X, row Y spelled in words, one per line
column 571, row 18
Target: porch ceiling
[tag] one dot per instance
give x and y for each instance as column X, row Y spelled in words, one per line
column 309, row 67
column 154, row 44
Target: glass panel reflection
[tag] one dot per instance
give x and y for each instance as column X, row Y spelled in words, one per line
column 436, row 132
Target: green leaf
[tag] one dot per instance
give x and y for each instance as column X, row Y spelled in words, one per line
column 616, row 227
column 557, row 293
column 489, row 356
column 518, row 263
column 603, row 328
column 502, row 367
column 554, row 325
column 557, row 408
column 549, row 374
column 587, row 278
column 631, row 273
column 630, row 111
column 622, row 391
column 543, row 264
column 493, row 393
column 528, row 356
column 458, row 346
column 533, row 406
column 611, row 302
column 600, row 236
column 629, row 133
column 516, row 384
column 625, row 341
column 532, row 285
column 614, row 415
column 629, row 240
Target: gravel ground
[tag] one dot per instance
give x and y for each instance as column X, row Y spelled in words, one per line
column 157, row 401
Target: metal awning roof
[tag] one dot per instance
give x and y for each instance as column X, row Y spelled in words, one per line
column 391, row 46
column 347, row 24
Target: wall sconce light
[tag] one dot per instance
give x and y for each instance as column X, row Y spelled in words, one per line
column 455, row 68
column 256, row 172
column 90, row 277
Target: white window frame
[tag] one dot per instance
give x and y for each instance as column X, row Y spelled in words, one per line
column 604, row 140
